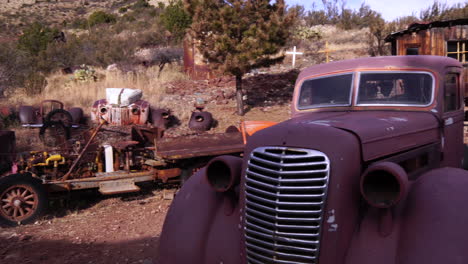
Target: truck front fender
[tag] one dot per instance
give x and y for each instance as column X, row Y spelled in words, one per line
column 201, row 226
column 429, row 226
column 435, row 217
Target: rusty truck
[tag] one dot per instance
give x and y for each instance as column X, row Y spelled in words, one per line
column 367, row 170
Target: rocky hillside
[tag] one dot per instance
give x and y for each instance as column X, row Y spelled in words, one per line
column 16, row 14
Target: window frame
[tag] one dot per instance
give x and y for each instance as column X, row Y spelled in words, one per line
column 464, row 52
column 433, row 86
column 351, row 90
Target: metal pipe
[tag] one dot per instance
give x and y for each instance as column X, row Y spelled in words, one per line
column 65, row 177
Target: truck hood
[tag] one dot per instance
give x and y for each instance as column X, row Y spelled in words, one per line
column 381, row 133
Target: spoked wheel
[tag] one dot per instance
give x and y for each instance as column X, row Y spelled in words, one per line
column 60, row 115
column 22, row 199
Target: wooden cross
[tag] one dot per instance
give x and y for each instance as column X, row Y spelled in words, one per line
column 294, row 53
column 327, row 51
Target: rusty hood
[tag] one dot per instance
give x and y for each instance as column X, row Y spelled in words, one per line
column 381, row 133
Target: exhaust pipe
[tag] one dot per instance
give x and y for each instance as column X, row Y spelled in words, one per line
column 223, row 173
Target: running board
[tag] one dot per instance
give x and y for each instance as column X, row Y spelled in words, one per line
column 118, row 186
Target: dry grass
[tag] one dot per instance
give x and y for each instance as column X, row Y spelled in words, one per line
column 83, row 94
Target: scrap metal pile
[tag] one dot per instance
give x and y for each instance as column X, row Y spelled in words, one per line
column 89, row 158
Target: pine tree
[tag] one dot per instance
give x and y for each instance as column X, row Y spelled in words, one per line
column 236, row 36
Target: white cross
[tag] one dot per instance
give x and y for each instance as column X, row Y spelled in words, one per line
column 294, row 53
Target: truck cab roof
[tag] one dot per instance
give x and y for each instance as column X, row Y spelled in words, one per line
column 409, row 83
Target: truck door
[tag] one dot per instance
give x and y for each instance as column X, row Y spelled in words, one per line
column 453, row 117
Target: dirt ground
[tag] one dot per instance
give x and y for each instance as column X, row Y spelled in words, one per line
column 91, row 229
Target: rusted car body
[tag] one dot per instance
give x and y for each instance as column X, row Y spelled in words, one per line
column 367, row 170
column 133, row 114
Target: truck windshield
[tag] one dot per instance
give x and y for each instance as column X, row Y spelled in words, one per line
column 403, row 88
column 332, row 90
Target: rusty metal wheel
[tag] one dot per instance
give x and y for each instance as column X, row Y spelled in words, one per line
column 59, row 115
column 22, row 199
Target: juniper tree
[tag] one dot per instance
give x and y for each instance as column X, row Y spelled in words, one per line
column 236, row 36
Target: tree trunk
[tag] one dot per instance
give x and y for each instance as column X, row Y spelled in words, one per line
column 239, row 95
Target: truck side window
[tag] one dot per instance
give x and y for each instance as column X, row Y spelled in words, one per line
column 332, row 90
column 451, row 95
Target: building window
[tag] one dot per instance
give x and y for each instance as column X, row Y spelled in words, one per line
column 412, row 51
column 458, row 50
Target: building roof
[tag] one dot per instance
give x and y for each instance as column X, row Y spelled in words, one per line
column 415, row 27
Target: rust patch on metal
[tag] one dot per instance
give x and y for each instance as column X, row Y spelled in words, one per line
column 199, row 145
column 164, row 175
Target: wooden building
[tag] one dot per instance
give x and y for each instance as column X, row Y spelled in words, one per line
column 441, row 38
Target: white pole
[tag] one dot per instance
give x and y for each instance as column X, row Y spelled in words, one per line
column 294, row 57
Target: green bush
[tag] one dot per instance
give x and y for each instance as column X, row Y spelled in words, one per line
column 35, row 38
column 176, row 19
column 80, row 23
column 101, row 17
column 129, row 18
column 85, row 74
column 306, row 33
column 123, row 10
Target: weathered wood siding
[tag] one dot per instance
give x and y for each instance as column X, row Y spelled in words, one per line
column 431, row 41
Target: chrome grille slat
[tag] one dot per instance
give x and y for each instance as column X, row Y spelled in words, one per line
column 288, row 234
column 250, row 188
column 307, row 212
column 299, row 164
column 280, row 247
column 250, row 253
column 286, row 240
column 276, row 180
column 285, row 188
column 298, row 172
column 262, row 177
column 280, row 254
column 273, row 217
column 292, row 227
column 284, row 203
column 258, row 220
column 285, row 192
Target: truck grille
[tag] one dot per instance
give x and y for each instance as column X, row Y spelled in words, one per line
column 285, row 196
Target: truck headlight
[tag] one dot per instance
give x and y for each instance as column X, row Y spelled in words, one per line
column 223, row 173
column 384, row 184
